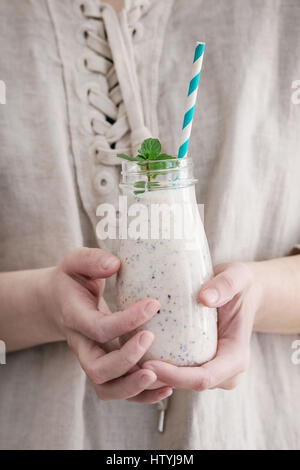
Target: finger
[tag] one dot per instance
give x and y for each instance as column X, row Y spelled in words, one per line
column 104, row 309
column 122, row 322
column 95, row 286
column 152, row 396
column 225, row 285
column 154, row 386
column 90, row 262
column 81, row 314
column 86, row 350
column 101, row 367
column 125, row 387
column 117, row 363
column 173, row 376
column 228, row 363
column 157, row 384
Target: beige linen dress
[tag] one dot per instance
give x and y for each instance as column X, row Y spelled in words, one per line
column 83, row 83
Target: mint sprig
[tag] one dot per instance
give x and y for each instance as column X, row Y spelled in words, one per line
column 150, row 150
column 149, row 158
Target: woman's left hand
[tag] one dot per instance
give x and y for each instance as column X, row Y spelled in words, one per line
column 237, row 296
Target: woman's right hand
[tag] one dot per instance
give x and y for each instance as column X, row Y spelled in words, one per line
column 91, row 330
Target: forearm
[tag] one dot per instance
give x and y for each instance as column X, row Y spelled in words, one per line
column 25, row 319
column 278, row 280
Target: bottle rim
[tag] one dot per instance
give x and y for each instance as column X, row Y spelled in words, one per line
column 178, row 174
column 175, row 163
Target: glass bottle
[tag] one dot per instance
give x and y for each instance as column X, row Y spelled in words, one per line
column 165, row 255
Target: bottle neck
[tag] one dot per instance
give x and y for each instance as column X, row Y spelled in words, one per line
column 156, row 175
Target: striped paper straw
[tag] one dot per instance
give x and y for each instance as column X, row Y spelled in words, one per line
column 191, row 100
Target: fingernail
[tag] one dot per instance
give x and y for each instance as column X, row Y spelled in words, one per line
column 170, row 392
column 152, row 307
column 211, row 295
column 146, row 378
column 109, row 261
column 145, row 340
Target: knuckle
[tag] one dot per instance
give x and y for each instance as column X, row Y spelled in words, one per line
column 131, row 319
column 94, row 374
column 228, row 280
column 203, row 383
column 129, row 360
column 102, row 331
column 132, row 322
column 142, row 315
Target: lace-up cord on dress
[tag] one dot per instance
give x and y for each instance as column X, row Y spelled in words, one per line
column 120, row 124
column 111, row 124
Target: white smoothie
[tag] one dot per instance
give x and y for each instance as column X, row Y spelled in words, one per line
column 171, row 271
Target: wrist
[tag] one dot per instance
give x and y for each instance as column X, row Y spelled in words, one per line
column 278, row 281
column 257, row 291
column 48, row 303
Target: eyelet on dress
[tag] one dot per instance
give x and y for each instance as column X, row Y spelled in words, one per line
column 103, row 182
column 82, row 64
column 78, row 6
column 137, row 32
column 83, row 32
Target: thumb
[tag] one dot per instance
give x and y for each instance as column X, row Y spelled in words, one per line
column 228, row 283
column 90, row 262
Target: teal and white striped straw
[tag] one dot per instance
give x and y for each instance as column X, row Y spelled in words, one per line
column 191, row 100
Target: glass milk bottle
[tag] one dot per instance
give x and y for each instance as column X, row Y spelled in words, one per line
column 165, row 256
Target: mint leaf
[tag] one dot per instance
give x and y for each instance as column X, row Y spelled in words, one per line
column 140, row 184
column 141, row 158
column 150, row 149
column 126, row 157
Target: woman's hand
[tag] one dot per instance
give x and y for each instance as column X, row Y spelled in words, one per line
column 91, row 330
column 237, row 296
